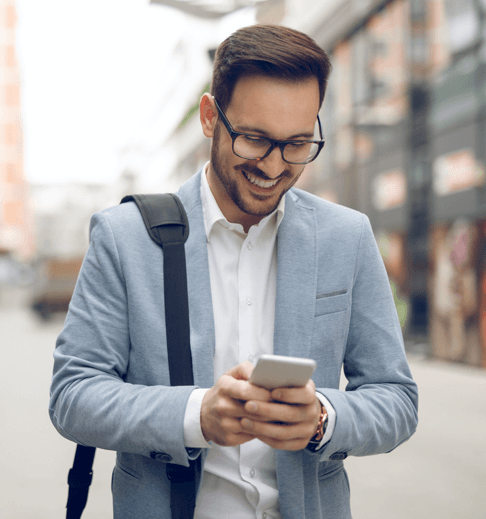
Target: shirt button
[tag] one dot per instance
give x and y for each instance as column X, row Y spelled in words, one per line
column 252, row 473
column 249, row 246
column 264, row 515
column 249, row 301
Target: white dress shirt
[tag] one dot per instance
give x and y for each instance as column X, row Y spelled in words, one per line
column 239, row 481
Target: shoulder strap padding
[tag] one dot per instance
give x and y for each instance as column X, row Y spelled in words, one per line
column 164, row 216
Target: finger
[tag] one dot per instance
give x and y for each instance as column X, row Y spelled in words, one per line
column 220, row 422
column 241, row 372
column 295, row 395
column 229, row 407
column 232, row 439
column 232, row 426
column 242, row 390
column 277, row 412
column 231, row 432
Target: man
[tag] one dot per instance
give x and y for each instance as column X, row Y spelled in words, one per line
column 270, row 270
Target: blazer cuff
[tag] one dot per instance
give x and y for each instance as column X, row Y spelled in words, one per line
column 193, row 436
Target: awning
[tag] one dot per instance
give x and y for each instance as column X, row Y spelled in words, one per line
column 209, row 8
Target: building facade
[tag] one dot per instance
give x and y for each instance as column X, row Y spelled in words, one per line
column 404, row 120
column 16, row 228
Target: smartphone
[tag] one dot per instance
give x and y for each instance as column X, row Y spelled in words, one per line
column 274, row 371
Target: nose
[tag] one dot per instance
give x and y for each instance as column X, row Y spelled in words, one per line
column 273, row 165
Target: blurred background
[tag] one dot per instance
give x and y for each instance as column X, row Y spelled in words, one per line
column 98, row 99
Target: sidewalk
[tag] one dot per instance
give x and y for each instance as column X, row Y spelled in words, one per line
column 440, row 473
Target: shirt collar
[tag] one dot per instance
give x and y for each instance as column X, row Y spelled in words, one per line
column 212, row 213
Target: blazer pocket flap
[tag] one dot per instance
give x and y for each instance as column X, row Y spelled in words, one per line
column 332, row 302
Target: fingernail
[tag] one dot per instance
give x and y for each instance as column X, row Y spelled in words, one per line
column 253, row 407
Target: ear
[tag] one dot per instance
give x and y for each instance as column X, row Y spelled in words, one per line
column 208, row 114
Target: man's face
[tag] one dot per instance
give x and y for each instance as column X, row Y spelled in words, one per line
column 248, row 190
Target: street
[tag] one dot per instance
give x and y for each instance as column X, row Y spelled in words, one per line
column 440, row 473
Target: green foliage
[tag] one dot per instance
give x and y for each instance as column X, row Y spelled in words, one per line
column 194, row 108
column 402, row 309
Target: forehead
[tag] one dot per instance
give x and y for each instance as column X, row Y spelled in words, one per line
column 277, row 107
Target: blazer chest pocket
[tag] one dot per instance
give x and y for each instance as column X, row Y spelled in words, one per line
column 332, row 302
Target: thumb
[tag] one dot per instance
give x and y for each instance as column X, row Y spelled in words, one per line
column 241, row 372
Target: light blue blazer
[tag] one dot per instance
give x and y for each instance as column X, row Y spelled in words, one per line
column 110, row 387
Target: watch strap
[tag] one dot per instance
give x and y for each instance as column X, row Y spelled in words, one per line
column 321, row 430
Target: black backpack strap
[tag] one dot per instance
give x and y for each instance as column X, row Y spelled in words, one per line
column 166, row 222
column 164, row 217
column 79, row 480
column 167, row 225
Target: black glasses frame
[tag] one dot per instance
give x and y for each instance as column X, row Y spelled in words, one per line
column 273, row 143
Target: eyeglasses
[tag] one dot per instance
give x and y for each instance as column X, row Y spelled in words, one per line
column 256, row 147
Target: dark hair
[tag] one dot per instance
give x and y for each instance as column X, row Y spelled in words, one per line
column 267, row 50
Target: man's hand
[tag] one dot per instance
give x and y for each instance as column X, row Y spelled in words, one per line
column 223, row 407
column 288, row 422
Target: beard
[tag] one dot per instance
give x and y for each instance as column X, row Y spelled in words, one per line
column 252, row 204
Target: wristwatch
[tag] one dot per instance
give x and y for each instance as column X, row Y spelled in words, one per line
column 321, row 430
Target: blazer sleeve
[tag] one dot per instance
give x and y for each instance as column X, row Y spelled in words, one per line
column 90, row 401
column 378, row 410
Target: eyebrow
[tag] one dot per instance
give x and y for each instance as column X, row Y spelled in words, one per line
column 249, row 129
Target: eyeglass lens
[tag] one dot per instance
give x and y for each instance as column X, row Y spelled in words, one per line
column 250, row 147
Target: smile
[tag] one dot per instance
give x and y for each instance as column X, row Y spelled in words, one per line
column 260, row 183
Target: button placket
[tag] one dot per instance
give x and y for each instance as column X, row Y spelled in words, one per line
column 246, row 289
column 255, row 282
column 248, row 257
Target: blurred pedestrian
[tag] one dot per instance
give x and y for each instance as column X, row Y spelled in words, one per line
column 271, row 269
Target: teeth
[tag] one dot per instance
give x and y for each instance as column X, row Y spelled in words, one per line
column 260, row 183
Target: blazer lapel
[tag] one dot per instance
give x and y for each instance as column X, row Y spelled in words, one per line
column 296, row 280
column 290, row 480
column 294, row 320
column 199, row 286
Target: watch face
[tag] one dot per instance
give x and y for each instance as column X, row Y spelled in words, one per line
column 322, row 426
column 324, row 422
